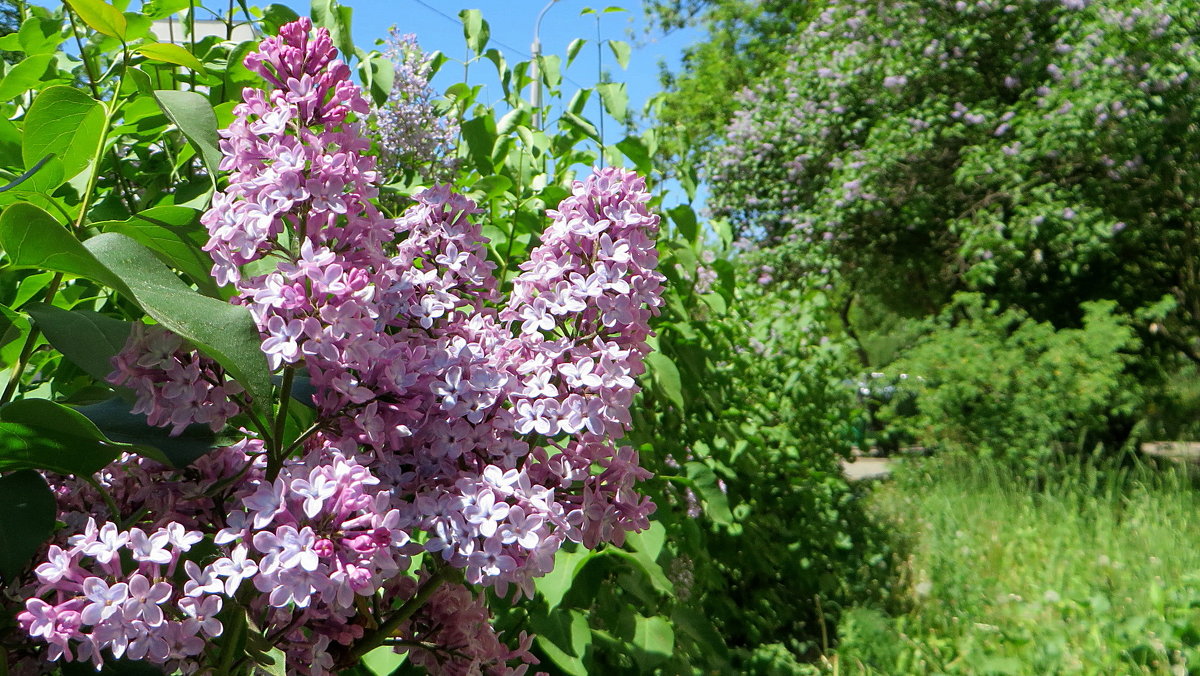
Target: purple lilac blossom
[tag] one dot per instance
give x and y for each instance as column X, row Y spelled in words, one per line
column 450, row 422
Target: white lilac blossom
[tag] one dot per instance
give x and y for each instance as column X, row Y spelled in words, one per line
column 449, row 421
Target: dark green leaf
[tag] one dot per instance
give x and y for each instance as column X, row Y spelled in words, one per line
column 33, row 239
column 565, row 638
column 40, row 434
column 480, row 135
column 90, row 340
column 552, row 586
column 654, row 639
column 666, row 377
column 27, row 514
column 176, row 235
column 121, row 425
column 194, row 116
column 66, row 122
column 224, row 332
column 684, row 218
column 704, row 482
column 635, row 149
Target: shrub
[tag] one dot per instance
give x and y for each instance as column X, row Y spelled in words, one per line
column 997, row 382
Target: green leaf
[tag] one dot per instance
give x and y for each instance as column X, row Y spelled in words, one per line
column 40, row 35
column 571, row 120
column 161, row 9
column 275, row 16
column 24, row 76
column 27, row 515
column 655, row 640
column 194, row 116
column 169, row 53
column 615, row 98
column 621, row 50
column 225, row 332
column 66, row 122
column 379, row 73
column 475, row 29
column 489, row 188
column 175, row 234
column 704, row 482
column 551, row 67
column 553, row 586
column 383, row 661
column 41, row 434
column 13, row 326
column 33, row 239
column 684, row 218
column 573, row 50
column 118, row 423
column 565, row 638
column 275, row 663
column 635, row 149
column 480, row 135
column 666, row 377
column 51, row 175
column 90, row 340
column 331, row 15
column 101, row 16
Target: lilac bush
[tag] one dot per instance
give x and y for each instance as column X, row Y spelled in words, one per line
column 1032, row 150
column 457, row 437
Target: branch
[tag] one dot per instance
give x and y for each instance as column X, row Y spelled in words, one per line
column 388, row 627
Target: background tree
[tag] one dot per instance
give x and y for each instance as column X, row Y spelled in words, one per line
column 745, row 39
column 10, row 21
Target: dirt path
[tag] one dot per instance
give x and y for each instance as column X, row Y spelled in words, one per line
column 863, row 468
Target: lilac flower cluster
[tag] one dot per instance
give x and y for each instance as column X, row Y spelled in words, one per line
column 449, row 422
column 411, row 133
column 130, row 613
column 175, row 385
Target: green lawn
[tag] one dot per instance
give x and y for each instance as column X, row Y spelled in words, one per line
column 1090, row 573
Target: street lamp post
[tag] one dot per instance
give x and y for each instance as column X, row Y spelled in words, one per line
column 536, row 50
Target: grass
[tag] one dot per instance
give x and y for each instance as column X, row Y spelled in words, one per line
column 1088, row 573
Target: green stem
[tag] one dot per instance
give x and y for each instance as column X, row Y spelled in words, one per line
column 312, row 429
column 255, row 420
column 384, row 631
column 114, row 512
column 275, row 458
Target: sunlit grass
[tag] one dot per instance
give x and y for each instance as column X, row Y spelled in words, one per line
column 1089, row 573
